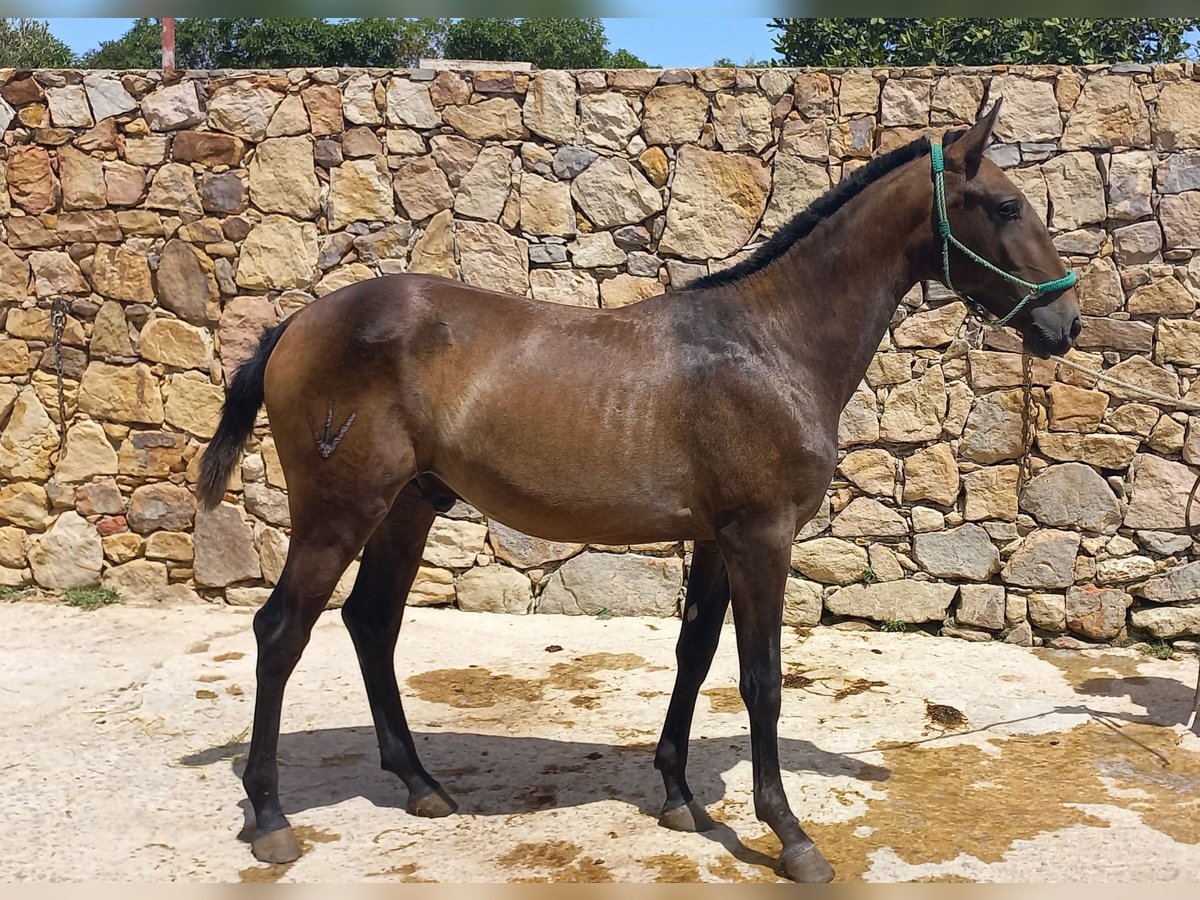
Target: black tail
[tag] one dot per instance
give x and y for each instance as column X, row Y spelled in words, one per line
column 242, row 400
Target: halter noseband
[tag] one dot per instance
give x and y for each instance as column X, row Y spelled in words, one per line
column 939, row 193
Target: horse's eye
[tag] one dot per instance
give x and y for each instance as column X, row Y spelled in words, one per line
column 1009, row 209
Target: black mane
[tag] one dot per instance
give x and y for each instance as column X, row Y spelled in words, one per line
column 802, row 224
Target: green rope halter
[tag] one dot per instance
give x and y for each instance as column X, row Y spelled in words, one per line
column 939, row 194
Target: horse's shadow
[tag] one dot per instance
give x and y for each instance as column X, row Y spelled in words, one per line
column 1166, row 700
column 491, row 775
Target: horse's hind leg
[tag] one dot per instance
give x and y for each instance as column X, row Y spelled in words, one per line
column 703, row 612
column 373, row 614
column 756, row 557
column 316, row 559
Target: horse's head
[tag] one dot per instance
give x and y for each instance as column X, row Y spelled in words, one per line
column 989, row 217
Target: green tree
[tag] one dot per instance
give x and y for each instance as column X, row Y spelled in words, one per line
column 28, row 44
column 726, row 63
column 978, row 42
column 249, row 43
column 548, row 43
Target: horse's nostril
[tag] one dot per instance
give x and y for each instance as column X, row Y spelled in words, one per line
column 1076, row 327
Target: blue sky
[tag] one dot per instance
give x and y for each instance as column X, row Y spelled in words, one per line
column 662, row 42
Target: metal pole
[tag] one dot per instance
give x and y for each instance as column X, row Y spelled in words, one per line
column 168, row 45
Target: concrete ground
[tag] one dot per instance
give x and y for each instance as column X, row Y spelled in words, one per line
column 908, row 758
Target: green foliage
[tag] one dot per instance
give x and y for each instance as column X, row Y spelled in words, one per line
column 726, row 63
column 894, row 625
column 1159, row 650
column 978, row 42
column 91, row 598
column 868, row 576
column 28, row 44
column 623, row 59
column 548, row 43
column 244, row 43
column 10, row 594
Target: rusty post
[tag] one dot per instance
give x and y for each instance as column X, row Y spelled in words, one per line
column 168, row 45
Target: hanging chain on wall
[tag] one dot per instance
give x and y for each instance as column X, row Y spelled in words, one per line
column 1028, row 418
column 58, row 319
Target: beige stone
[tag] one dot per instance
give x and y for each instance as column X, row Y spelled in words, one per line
column 409, row 103
column 932, row 474
column 121, row 393
column 283, row 179
column 88, row 453
column 894, row 601
column 865, row 517
column 494, row 588
column 23, row 503
column 1164, row 297
column 914, row 410
column 1099, row 288
column 433, row 252
column 829, row 560
column 278, row 253
column 859, row 422
column 193, row 404
column 546, row 207
column 564, row 286
column 243, row 108
column 175, row 343
column 742, row 121
column 28, row 440
column 991, row 493
column 956, row 99
column 1075, row 409
column 82, row 177
column 674, row 114
column 623, row 289
column 483, row 191
column 797, row 184
column 933, row 327
column 1159, row 494
column 495, row 119
column 1030, row 109
column 1177, row 119
column 56, row 273
column 360, row 190
column 905, row 101
column 1138, row 370
column 454, row 543
column 858, row 93
column 422, row 189
column 611, row 192
column 1105, row 451
column 549, row 108
column 1180, row 217
column 716, row 200
column 1177, row 341
column 174, row 189
column 873, row 470
column 492, row 258
column 1109, row 113
column 290, row 118
column 1075, row 189
column 68, row 555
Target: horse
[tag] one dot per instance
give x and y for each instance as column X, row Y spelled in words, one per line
column 707, row 414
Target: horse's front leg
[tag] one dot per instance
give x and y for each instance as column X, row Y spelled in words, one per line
column 756, row 552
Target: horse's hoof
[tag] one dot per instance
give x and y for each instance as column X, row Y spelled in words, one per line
column 434, row 805
column 276, row 847
column 807, row 865
column 689, row 817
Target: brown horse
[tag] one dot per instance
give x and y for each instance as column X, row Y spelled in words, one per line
column 706, row 415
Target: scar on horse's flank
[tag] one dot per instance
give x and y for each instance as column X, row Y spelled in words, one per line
column 326, row 444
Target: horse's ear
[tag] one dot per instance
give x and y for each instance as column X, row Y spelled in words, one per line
column 967, row 151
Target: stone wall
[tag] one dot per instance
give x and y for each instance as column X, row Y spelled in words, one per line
column 179, row 217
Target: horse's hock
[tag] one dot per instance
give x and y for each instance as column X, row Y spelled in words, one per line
column 180, row 217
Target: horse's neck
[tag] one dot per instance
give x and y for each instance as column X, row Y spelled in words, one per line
column 832, row 294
